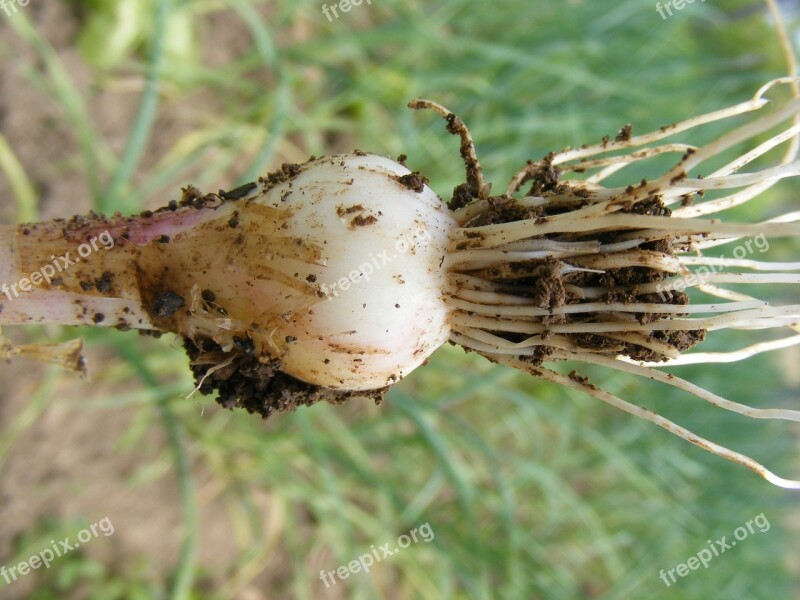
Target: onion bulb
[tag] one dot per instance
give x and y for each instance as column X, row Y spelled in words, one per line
column 354, row 296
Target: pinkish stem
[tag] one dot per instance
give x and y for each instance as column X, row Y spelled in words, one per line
column 86, row 271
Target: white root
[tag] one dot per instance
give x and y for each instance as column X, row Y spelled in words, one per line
column 697, row 358
column 530, row 311
column 760, row 318
column 741, row 263
column 578, row 227
column 648, row 415
column 644, row 226
column 670, row 379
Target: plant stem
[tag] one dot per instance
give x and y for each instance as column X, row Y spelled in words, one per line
column 87, row 270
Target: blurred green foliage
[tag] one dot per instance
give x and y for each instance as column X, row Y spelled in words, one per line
column 532, row 491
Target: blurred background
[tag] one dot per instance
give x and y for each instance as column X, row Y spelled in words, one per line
column 531, row 491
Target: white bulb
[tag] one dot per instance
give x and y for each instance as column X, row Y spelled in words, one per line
column 379, row 309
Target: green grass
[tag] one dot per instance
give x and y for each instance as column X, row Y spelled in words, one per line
column 532, row 491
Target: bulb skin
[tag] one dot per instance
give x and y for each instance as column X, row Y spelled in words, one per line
column 362, row 304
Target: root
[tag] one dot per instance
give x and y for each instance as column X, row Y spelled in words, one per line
column 476, row 186
column 578, row 383
column 575, row 271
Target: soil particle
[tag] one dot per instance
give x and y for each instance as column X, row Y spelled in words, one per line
column 194, row 198
column 684, row 340
column 463, row 194
column 287, row 172
column 167, row 304
column 624, row 134
column 578, row 378
column 342, row 211
column 545, row 178
column 549, row 293
column 244, row 344
column 413, row 181
column 502, row 210
column 362, row 221
column 257, row 385
column 652, row 206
